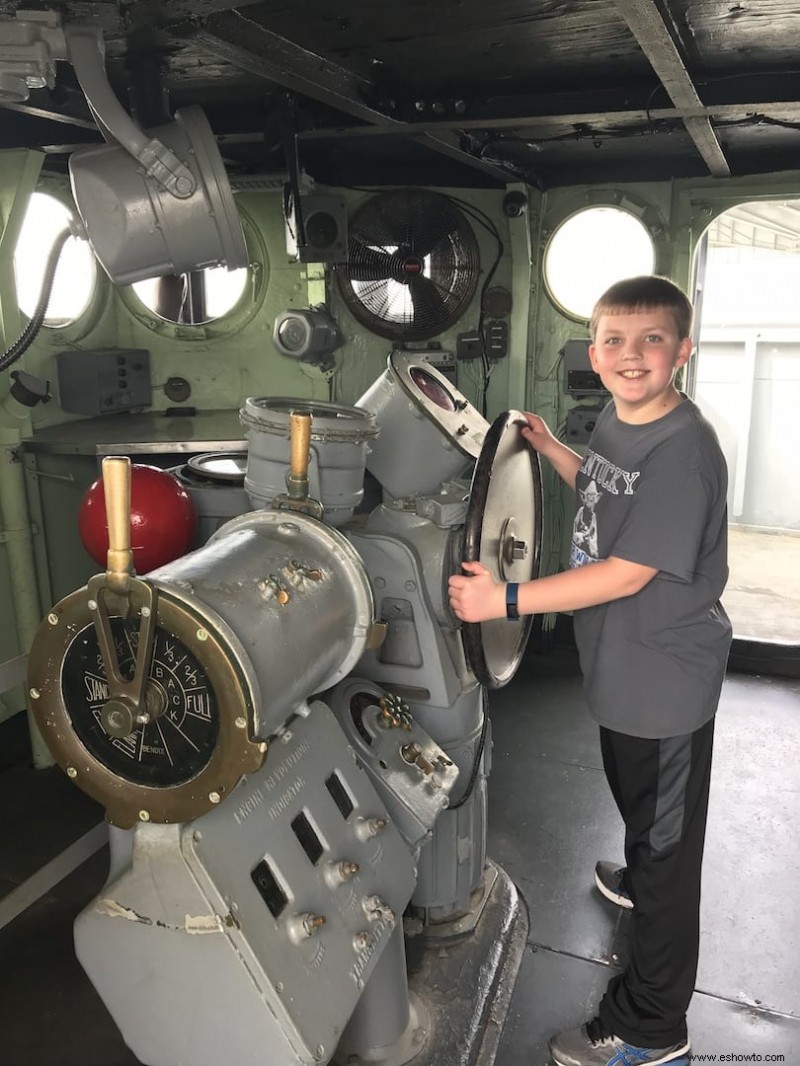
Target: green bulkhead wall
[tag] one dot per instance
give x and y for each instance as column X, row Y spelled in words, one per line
column 234, row 357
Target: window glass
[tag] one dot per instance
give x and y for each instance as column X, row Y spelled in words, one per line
column 201, row 296
column 76, row 274
column 590, row 251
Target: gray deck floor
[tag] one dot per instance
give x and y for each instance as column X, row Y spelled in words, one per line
column 552, row 816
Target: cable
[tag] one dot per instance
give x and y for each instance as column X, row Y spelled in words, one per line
column 473, row 777
column 23, row 342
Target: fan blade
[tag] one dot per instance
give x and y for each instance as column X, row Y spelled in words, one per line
column 429, row 305
column 432, row 221
column 368, row 264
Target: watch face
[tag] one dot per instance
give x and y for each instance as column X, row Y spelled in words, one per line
column 178, row 741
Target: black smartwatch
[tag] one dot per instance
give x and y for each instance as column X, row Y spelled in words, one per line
column 512, row 601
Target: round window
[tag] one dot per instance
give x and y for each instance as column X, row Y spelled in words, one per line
column 202, row 296
column 76, row 274
column 590, row 251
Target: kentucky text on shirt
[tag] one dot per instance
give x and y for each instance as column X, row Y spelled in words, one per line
column 607, row 474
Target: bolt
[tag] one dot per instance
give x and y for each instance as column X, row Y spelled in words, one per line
column 92, row 605
column 240, row 722
column 202, row 634
column 72, row 772
column 146, row 612
column 361, row 941
column 214, row 797
column 52, row 618
column 144, row 816
column 34, row 693
column 312, row 922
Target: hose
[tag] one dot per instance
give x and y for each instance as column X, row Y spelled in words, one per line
column 23, row 342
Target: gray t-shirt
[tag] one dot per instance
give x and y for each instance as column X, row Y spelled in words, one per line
column 655, row 494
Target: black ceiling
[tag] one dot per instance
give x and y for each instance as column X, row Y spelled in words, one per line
column 457, row 92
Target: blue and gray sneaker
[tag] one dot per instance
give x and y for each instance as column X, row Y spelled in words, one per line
column 593, row 1045
column 612, row 881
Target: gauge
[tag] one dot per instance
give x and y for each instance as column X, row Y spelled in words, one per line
column 180, row 737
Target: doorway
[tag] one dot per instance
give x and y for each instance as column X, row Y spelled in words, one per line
column 746, row 379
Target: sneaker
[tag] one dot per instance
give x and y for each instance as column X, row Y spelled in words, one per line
column 610, row 880
column 593, row 1045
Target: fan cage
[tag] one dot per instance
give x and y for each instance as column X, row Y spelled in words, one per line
column 413, row 265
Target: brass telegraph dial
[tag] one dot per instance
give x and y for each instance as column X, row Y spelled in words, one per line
column 140, row 697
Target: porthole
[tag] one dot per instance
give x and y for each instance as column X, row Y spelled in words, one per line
column 591, row 250
column 76, row 274
column 195, row 298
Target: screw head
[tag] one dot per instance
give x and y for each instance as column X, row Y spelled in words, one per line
column 52, row 618
column 144, row 816
column 202, row 634
column 72, row 772
column 34, row 693
column 214, row 797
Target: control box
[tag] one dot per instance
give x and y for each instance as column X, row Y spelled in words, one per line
column 579, row 378
column 580, row 424
column 102, row 381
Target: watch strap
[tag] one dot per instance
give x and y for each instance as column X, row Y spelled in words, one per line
column 512, row 601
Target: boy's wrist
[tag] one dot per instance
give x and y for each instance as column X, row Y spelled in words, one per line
column 512, row 601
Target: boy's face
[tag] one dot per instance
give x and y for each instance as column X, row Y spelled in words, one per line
column 637, row 355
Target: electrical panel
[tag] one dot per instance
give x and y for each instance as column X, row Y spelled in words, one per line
column 580, row 424
column 324, row 227
column 102, row 381
column 579, row 378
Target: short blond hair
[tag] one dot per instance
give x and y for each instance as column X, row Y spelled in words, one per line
column 645, row 293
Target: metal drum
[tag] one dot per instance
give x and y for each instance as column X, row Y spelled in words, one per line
column 430, row 432
column 340, row 440
column 215, row 481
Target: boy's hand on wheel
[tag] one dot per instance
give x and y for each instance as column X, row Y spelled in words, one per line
column 477, row 597
column 537, row 433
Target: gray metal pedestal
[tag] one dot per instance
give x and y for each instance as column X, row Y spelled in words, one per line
column 465, row 983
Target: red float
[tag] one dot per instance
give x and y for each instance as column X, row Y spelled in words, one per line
column 162, row 519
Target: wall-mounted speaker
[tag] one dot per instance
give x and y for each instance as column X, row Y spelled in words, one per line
column 324, row 229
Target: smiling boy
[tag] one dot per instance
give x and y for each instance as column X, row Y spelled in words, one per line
column 647, row 568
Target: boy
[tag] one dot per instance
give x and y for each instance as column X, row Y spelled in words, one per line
column 647, row 567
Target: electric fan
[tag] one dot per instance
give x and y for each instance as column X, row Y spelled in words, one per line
column 412, row 264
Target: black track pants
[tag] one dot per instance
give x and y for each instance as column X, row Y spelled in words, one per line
column 661, row 789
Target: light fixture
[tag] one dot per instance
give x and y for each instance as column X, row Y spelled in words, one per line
column 308, row 334
column 152, row 202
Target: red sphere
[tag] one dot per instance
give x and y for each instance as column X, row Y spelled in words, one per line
column 162, row 519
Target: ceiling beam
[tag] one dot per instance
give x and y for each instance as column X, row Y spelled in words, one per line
column 51, row 116
column 538, row 124
column 246, row 44
column 655, row 40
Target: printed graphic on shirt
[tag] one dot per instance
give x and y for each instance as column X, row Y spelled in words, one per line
column 584, row 528
column 606, row 478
